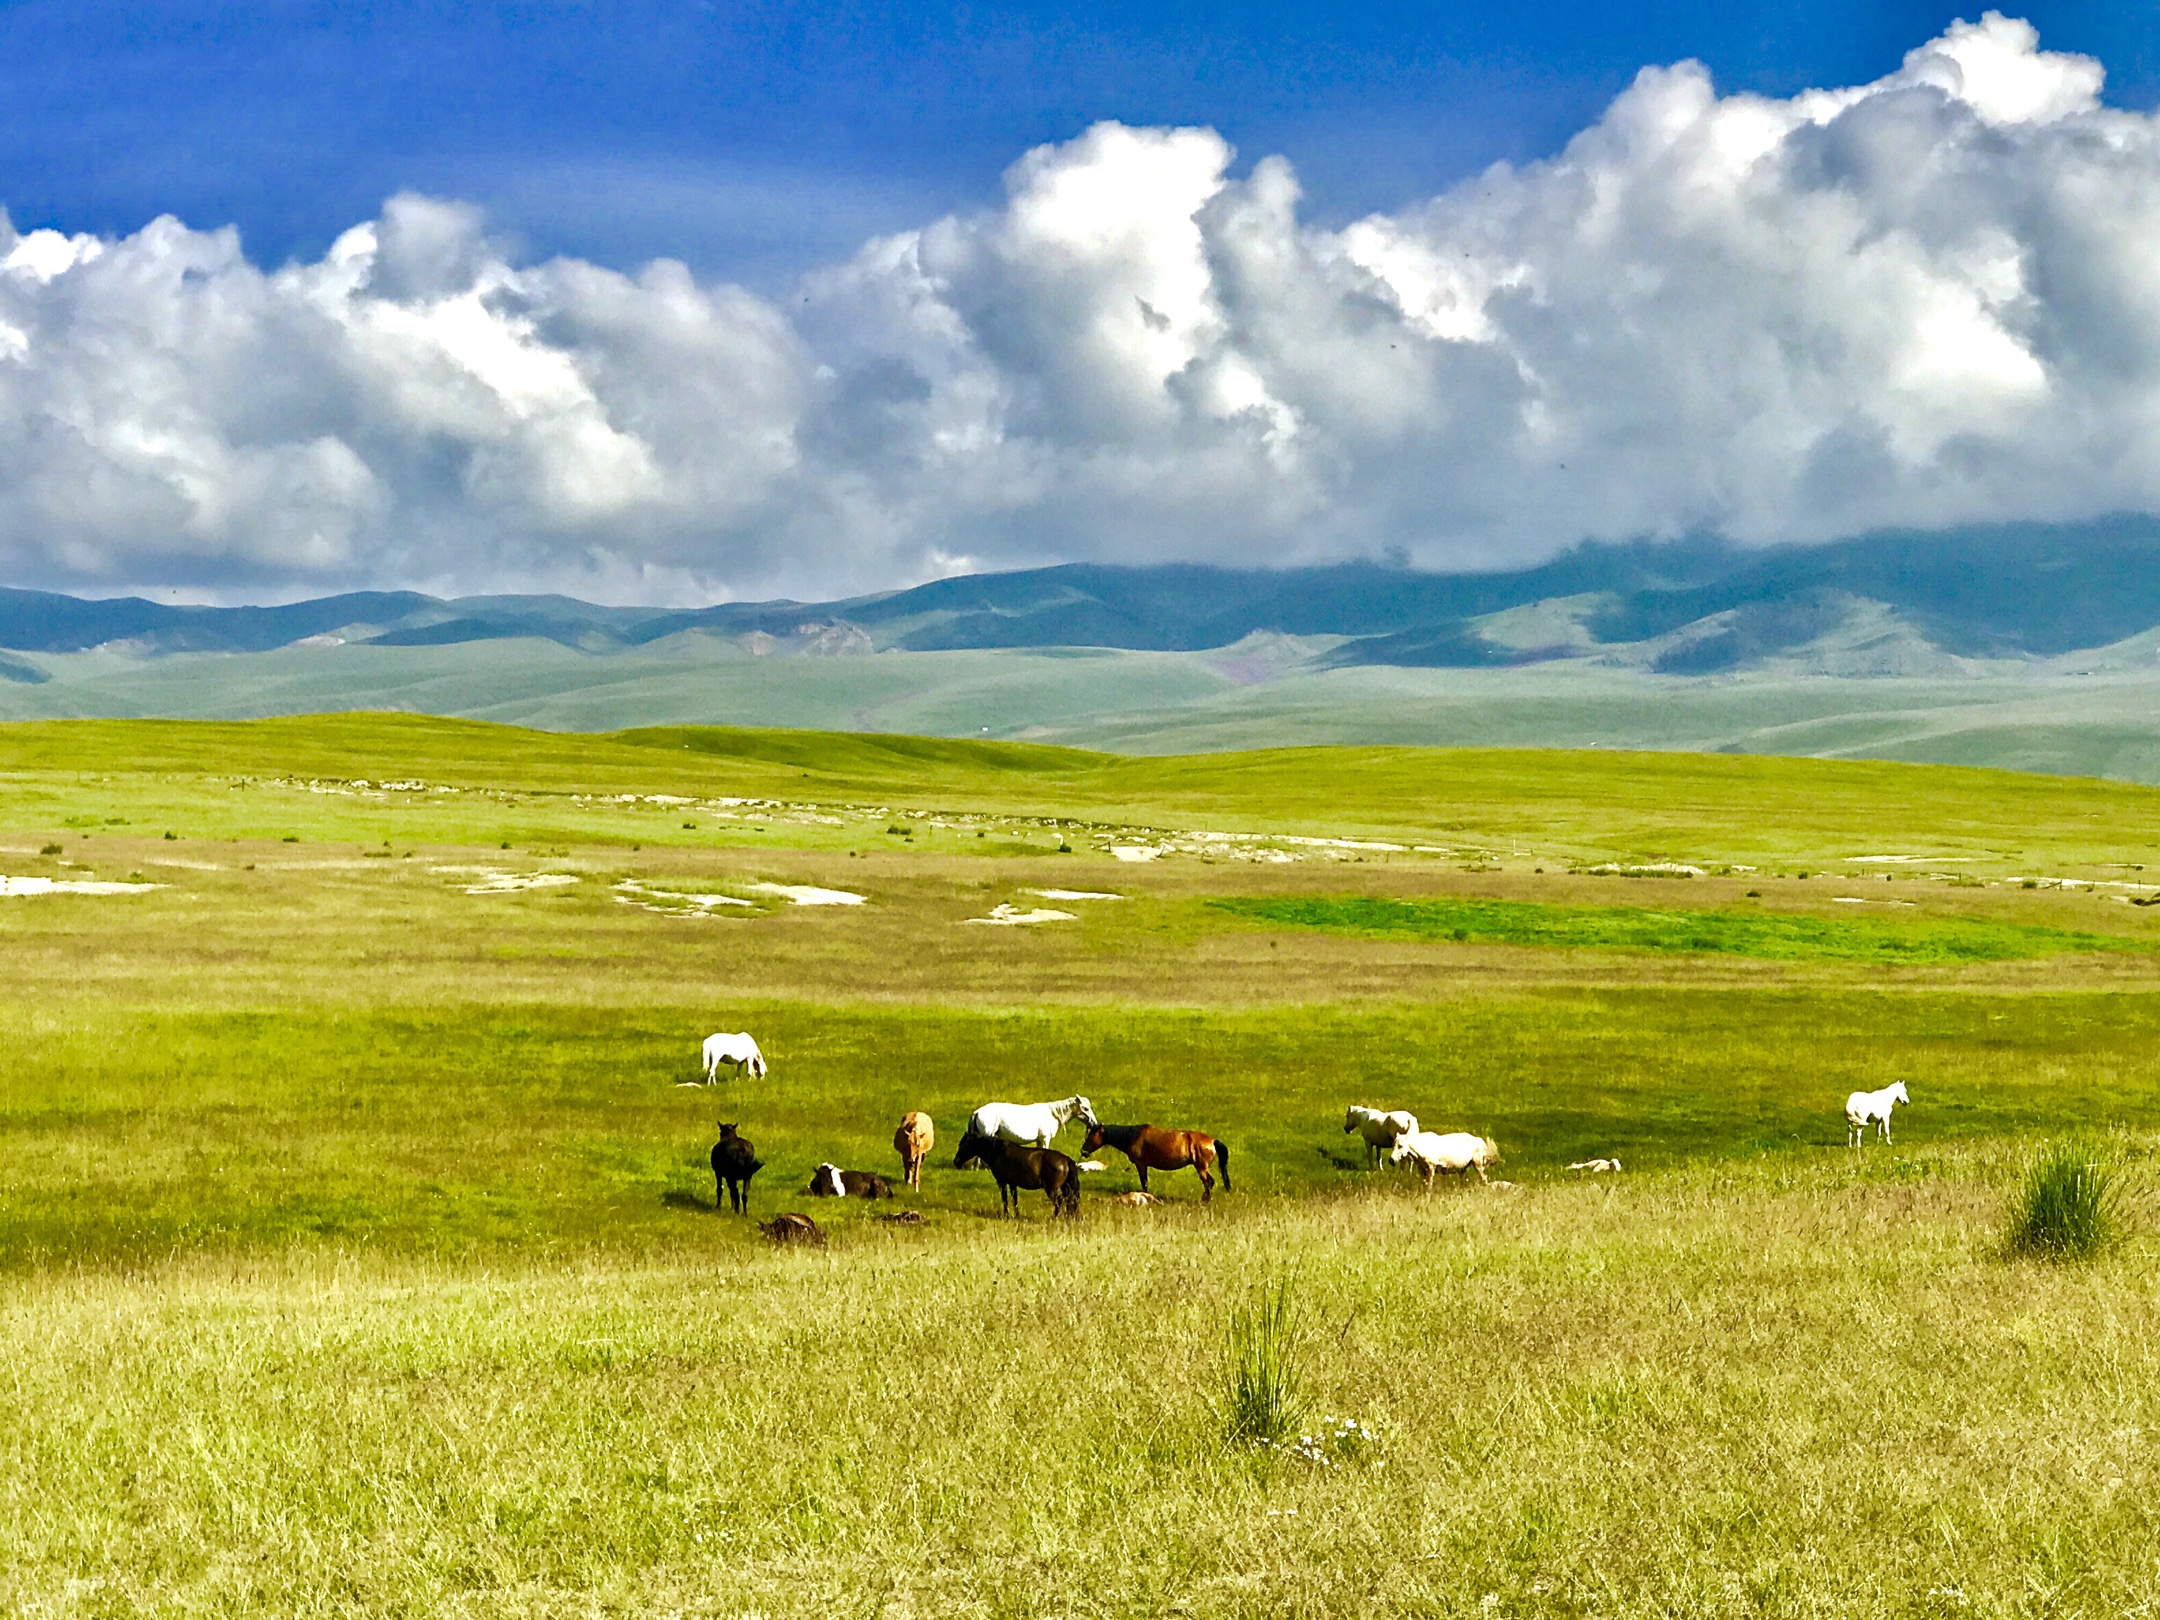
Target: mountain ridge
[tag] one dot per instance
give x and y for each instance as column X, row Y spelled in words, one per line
column 2020, row 591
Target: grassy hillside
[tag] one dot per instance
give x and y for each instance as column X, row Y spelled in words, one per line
column 358, row 1252
column 2042, row 717
column 1515, row 806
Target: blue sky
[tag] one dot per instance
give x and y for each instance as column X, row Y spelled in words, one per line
column 753, row 140
column 675, row 303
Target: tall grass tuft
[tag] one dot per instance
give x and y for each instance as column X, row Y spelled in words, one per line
column 1262, row 1385
column 2065, row 1209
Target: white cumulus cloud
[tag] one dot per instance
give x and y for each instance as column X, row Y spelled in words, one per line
column 1924, row 301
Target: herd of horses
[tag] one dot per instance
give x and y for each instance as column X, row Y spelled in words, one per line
column 1012, row 1142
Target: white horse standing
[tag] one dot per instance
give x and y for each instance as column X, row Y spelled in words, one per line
column 1032, row 1123
column 737, row 1049
column 1379, row 1127
column 1864, row 1107
column 1456, row 1154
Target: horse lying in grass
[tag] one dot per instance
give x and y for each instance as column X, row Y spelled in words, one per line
column 1155, row 1147
column 1379, row 1128
column 734, row 1162
column 1032, row 1123
column 793, row 1229
column 1456, row 1154
column 1863, row 1108
column 1016, row 1168
column 830, row 1181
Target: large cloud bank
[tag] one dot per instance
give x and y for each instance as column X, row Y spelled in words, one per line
column 1929, row 300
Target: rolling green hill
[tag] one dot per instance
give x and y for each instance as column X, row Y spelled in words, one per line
column 2033, row 648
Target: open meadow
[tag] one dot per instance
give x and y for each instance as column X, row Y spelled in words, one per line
column 359, row 1252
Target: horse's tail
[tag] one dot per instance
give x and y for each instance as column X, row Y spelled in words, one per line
column 1222, row 1161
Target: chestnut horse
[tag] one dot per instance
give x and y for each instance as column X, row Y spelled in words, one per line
column 1154, row 1147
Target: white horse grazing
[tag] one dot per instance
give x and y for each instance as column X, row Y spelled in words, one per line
column 1863, row 1107
column 1456, row 1154
column 738, row 1049
column 1379, row 1127
column 1032, row 1123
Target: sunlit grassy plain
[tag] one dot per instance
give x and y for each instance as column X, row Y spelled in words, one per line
column 357, row 1252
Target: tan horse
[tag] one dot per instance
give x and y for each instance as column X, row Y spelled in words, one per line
column 913, row 1142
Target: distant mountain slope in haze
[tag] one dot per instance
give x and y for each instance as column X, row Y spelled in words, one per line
column 40, row 621
column 1684, row 608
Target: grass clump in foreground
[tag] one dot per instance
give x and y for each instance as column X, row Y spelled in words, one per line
column 1776, row 935
column 1263, row 1394
column 2067, row 1206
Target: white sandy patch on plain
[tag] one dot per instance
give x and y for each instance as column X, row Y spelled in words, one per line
column 804, row 895
column 185, row 866
column 1904, row 860
column 1134, row 852
column 1075, row 894
column 46, row 885
column 1007, row 916
column 673, row 902
column 492, row 882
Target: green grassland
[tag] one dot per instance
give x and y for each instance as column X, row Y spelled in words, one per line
column 2089, row 713
column 1773, row 935
column 358, row 1252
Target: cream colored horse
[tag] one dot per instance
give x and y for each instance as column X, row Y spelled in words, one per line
column 737, row 1049
column 1864, row 1108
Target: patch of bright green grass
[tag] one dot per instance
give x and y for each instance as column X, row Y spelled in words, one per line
column 1778, row 935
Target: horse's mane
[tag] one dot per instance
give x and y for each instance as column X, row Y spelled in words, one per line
column 1120, row 1136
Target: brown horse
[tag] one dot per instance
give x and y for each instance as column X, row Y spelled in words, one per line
column 1154, row 1147
column 1043, row 1170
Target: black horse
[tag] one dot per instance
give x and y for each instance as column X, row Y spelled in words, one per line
column 734, row 1162
column 1043, row 1170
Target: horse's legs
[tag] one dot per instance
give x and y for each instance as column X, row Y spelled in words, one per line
column 1137, row 1165
column 1207, row 1182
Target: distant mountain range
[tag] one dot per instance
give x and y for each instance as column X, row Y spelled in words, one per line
column 2033, row 648
column 1683, row 608
column 1887, row 604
